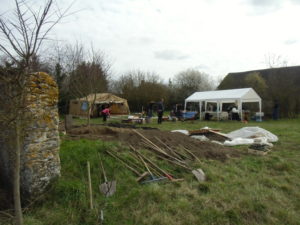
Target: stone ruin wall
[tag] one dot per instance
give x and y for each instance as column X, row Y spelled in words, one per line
column 40, row 155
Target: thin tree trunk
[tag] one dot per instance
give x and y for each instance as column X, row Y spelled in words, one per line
column 16, row 187
column 89, row 118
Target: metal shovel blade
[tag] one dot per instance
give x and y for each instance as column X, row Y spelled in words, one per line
column 108, row 188
column 199, row 174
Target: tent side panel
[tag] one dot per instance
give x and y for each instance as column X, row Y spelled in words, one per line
column 119, row 108
column 75, row 109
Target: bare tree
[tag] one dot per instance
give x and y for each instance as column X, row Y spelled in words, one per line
column 89, row 76
column 140, row 87
column 273, row 60
column 22, row 35
column 187, row 82
column 63, row 60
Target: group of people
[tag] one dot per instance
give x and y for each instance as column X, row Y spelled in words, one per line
column 104, row 111
column 232, row 110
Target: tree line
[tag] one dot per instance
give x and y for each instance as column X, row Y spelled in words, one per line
column 80, row 71
column 278, row 87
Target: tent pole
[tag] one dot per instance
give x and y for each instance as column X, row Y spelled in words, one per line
column 185, row 105
column 221, row 107
column 200, row 112
column 241, row 109
column 218, row 110
column 260, row 110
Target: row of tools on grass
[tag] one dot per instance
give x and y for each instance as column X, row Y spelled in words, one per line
column 108, row 188
column 148, row 171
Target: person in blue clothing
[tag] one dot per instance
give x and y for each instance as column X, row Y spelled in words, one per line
column 160, row 111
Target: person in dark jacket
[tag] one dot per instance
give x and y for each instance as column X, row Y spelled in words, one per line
column 160, row 111
column 150, row 109
column 275, row 113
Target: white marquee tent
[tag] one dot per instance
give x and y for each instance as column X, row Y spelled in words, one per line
column 238, row 96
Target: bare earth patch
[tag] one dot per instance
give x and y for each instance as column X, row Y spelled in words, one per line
column 202, row 149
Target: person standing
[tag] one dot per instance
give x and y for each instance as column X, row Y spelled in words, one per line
column 275, row 113
column 149, row 112
column 105, row 113
column 160, row 111
column 235, row 113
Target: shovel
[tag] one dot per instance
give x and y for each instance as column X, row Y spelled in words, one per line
column 199, row 174
column 153, row 178
column 108, row 188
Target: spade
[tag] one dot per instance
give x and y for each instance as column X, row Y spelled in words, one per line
column 108, row 188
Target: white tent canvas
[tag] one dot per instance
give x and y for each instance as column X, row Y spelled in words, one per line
column 238, row 96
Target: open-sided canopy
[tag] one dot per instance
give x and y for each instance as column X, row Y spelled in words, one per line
column 237, row 96
column 225, row 96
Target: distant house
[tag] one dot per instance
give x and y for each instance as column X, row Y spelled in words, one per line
column 282, row 88
column 79, row 107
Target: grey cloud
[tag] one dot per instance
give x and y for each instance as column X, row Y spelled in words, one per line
column 291, row 41
column 169, row 54
column 111, row 6
column 260, row 7
column 201, row 67
column 296, row 1
column 267, row 6
column 141, row 40
column 265, row 3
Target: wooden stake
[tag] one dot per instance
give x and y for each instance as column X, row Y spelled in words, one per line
column 165, row 154
column 155, row 171
column 174, row 162
column 123, row 162
column 175, row 153
column 150, row 142
column 90, row 184
column 192, row 154
column 149, row 161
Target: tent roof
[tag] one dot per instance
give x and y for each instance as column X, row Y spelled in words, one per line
column 102, row 98
column 243, row 94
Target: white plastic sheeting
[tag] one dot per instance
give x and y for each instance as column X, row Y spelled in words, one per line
column 200, row 137
column 243, row 136
column 186, row 132
column 248, row 141
column 252, row 132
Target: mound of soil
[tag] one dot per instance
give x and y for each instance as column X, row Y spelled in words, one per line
column 202, row 149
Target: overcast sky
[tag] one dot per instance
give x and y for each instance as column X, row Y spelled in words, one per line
column 168, row 36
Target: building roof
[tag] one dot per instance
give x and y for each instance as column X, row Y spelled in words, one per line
column 242, row 94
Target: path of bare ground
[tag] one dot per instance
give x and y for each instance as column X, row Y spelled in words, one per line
column 202, row 149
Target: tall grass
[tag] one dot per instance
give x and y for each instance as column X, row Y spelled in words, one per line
column 247, row 190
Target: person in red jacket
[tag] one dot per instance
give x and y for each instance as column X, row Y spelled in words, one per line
column 105, row 113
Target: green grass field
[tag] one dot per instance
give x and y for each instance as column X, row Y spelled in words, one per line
column 247, row 190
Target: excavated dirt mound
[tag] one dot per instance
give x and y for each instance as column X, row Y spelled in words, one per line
column 202, row 149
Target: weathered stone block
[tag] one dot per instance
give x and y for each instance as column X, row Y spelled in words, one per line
column 40, row 155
